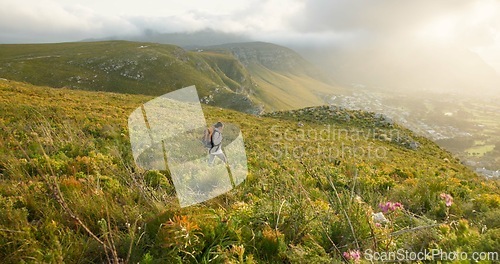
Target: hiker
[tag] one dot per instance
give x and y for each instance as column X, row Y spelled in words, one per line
column 216, row 149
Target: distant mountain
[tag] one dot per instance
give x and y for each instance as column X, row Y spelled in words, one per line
column 223, row 78
column 188, row 40
column 281, row 75
column 274, row 57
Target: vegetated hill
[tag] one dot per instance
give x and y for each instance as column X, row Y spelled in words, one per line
column 281, row 75
column 323, row 183
column 155, row 69
column 119, row 66
column 273, row 57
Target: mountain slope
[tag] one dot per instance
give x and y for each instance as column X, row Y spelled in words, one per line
column 70, row 191
column 228, row 79
column 281, row 74
column 119, row 66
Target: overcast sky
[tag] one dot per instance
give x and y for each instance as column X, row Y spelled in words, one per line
column 68, row 20
column 473, row 23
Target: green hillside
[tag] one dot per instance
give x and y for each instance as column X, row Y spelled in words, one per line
column 230, row 71
column 280, row 91
column 283, row 79
column 223, row 78
column 119, row 66
column 274, row 57
column 108, row 66
column 71, row 193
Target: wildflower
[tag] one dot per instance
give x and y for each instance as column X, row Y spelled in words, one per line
column 353, row 255
column 358, row 199
column 240, row 206
column 390, row 206
column 448, row 199
column 379, row 218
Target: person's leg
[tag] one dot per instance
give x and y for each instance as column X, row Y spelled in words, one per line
column 222, row 157
column 211, row 159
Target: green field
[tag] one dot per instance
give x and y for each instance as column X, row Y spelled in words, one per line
column 71, row 193
column 480, row 150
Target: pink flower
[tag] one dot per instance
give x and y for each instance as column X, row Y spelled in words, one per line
column 353, row 255
column 390, row 206
column 384, row 207
column 448, row 199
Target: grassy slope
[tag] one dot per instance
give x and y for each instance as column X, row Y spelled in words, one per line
column 297, row 207
column 283, row 79
column 274, row 57
column 117, row 66
column 155, row 69
column 281, row 91
column 230, row 70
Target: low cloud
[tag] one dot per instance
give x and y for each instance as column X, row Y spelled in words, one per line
column 55, row 21
column 471, row 23
column 47, row 21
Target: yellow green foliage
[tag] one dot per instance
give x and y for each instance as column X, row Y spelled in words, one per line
column 70, row 191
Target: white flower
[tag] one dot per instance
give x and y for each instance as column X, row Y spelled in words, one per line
column 379, row 218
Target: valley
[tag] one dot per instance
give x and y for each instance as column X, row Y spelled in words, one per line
column 468, row 127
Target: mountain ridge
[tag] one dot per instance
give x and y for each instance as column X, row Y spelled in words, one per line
column 187, row 40
column 280, row 73
column 154, row 69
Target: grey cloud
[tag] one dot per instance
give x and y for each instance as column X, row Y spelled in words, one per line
column 49, row 22
column 161, row 24
column 322, row 20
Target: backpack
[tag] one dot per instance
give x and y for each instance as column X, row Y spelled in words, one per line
column 207, row 137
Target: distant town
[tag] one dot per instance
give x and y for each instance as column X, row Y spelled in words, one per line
column 367, row 100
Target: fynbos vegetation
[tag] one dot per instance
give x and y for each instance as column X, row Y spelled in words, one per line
column 70, row 191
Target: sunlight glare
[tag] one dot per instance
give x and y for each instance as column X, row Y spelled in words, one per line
column 441, row 30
